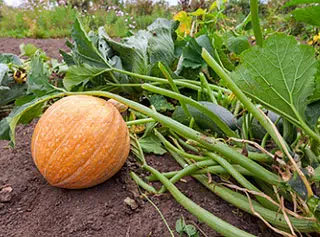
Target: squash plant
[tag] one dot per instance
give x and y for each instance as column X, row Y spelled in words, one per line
column 208, row 81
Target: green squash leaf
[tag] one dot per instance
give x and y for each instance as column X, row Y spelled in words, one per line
column 149, row 142
column 160, row 43
column 316, row 175
column 237, row 44
column 133, row 52
column 281, row 76
column 191, row 231
column 23, row 113
column 78, row 74
column 4, row 129
column 9, row 94
column 34, row 112
column 7, row 58
column 9, row 89
column 67, row 57
column 28, row 49
column 3, row 74
column 297, row 2
column 192, row 52
column 312, row 114
column 152, row 144
column 316, row 93
column 84, row 48
column 180, row 224
column 38, row 77
column 309, row 15
column 160, row 103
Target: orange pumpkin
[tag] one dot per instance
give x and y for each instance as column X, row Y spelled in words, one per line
column 79, row 142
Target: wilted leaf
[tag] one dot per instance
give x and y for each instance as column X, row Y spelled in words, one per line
column 185, row 22
column 198, row 12
column 103, row 46
column 297, row 184
column 116, row 62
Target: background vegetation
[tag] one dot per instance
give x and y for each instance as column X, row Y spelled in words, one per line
column 53, row 19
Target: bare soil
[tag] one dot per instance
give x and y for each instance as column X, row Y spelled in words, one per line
column 30, row 207
column 50, row 46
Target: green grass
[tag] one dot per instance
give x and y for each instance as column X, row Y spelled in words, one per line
column 57, row 23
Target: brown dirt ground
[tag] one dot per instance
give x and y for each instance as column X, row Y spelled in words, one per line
column 51, row 46
column 34, row 208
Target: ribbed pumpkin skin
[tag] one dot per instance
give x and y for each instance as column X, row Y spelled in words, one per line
column 79, row 142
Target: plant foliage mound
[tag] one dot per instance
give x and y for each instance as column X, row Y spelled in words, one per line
column 221, row 102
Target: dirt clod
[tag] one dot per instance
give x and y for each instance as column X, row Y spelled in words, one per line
column 131, row 203
column 6, row 194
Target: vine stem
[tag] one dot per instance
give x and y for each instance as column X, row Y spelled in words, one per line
column 258, row 114
column 195, row 85
column 183, row 99
column 256, row 22
column 214, row 222
column 240, row 201
column 240, row 179
column 140, row 121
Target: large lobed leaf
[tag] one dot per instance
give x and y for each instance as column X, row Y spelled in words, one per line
column 280, row 75
column 84, row 48
column 78, row 74
column 6, row 58
column 133, row 51
column 309, row 15
column 22, row 114
column 93, row 53
column 9, row 89
column 160, row 44
column 316, row 93
column 297, row 2
column 38, row 77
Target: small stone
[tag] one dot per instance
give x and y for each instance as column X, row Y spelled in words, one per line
column 131, row 203
column 6, row 194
